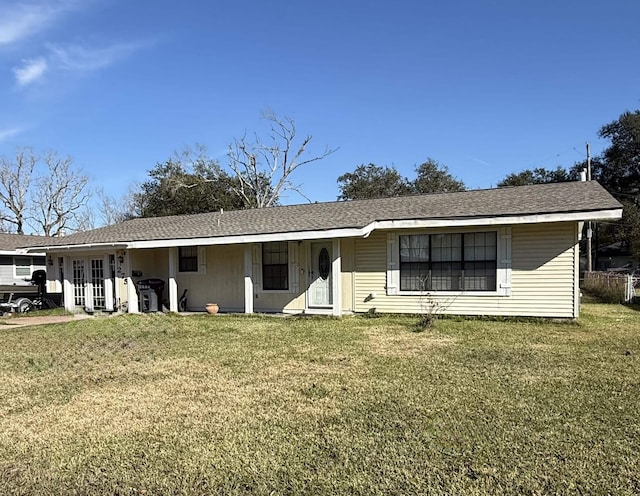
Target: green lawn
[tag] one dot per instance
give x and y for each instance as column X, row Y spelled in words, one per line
column 144, row 404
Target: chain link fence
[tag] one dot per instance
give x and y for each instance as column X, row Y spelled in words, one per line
column 614, row 287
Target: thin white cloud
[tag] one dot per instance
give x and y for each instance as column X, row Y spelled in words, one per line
column 6, row 134
column 31, row 71
column 20, row 20
column 85, row 59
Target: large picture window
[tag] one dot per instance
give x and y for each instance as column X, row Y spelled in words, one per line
column 275, row 265
column 448, row 262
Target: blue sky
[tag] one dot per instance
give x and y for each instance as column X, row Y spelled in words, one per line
column 484, row 87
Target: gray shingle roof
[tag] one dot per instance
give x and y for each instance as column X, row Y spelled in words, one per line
column 9, row 242
column 567, row 197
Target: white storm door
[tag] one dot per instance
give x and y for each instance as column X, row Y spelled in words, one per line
column 320, row 286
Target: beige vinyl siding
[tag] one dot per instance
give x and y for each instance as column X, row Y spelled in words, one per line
column 370, row 276
column 346, row 276
column 542, row 277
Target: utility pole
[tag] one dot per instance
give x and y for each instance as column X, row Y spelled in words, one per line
column 589, row 230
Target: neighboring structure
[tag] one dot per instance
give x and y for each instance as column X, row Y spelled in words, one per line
column 16, row 266
column 508, row 251
column 616, row 256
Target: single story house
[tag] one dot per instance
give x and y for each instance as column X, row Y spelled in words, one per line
column 504, row 252
column 16, row 266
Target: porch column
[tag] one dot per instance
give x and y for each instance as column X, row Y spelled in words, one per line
column 67, row 286
column 336, row 282
column 248, row 279
column 132, row 294
column 108, row 283
column 173, row 283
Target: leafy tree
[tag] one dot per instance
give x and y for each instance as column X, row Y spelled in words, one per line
column 372, row 181
column 618, row 170
column 539, row 175
column 187, row 183
column 262, row 169
column 433, row 177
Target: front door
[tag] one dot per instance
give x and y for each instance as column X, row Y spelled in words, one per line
column 320, row 285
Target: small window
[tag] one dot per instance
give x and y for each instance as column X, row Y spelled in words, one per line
column 275, row 266
column 188, row 259
column 23, row 266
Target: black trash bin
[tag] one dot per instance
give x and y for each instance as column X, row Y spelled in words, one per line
column 150, row 294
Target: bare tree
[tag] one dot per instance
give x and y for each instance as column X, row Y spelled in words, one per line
column 263, row 169
column 111, row 210
column 58, row 197
column 15, row 181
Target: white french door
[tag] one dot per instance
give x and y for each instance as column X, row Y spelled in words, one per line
column 88, row 280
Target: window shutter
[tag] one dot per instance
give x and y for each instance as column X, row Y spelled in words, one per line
column 294, row 272
column 257, row 267
column 504, row 262
column 393, row 264
column 202, row 259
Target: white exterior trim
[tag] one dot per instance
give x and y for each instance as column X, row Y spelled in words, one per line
column 494, row 221
column 83, row 247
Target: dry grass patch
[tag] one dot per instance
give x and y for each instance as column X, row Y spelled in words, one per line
column 396, row 341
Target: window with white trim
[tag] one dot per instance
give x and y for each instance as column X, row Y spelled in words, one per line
column 448, row 262
column 275, row 265
column 23, row 266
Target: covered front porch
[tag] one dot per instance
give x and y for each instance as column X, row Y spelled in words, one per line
column 280, row 276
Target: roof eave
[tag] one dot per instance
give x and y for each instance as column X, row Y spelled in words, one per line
column 78, row 247
column 542, row 218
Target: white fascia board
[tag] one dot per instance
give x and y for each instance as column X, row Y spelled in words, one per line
column 250, row 238
column 495, row 221
column 70, row 248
